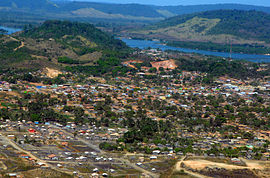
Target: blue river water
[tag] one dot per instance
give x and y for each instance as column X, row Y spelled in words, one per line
column 142, row 44
column 10, row 30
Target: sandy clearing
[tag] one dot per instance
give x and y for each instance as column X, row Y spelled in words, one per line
column 201, row 164
column 52, row 73
column 168, row 64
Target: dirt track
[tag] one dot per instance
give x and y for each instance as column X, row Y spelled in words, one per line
column 179, row 168
column 200, row 164
column 21, row 46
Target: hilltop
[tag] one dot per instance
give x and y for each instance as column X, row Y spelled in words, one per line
column 59, row 44
column 241, row 28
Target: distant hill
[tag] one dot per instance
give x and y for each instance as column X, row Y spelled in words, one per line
column 20, row 12
column 59, row 44
column 245, row 24
column 28, row 5
column 180, row 10
column 220, row 26
column 60, row 30
column 133, row 10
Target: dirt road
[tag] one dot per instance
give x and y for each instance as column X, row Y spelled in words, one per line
column 124, row 161
column 179, row 168
column 21, row 46
column 14, row 145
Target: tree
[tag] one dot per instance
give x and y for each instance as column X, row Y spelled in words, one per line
column 153, row 70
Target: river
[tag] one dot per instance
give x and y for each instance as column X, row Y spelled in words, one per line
column 10, row 30
column 142, row 44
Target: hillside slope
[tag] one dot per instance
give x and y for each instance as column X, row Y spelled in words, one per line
column 56, row 44
column 245, row 24
column 221, row 27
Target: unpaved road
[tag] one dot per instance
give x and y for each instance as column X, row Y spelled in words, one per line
column 179, row 168
column 200, row 164
column 14, row 145
column 21, row 46
column 124, row 161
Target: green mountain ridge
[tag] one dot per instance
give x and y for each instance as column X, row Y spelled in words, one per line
column 246, row 24
column 220, row 26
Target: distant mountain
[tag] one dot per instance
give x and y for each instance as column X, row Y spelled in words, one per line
column 218, row 27
column 28, row 4
column 180, row 10
column 134, row 10
column 34, row 11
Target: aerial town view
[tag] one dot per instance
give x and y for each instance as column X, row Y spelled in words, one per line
column 127, row 89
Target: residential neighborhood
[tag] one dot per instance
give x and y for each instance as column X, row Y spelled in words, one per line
column 92, row 134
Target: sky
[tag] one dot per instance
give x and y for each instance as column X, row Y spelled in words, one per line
column 186, row 2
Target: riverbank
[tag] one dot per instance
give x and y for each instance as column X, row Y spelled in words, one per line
column 209, row 46
column 143, row 44
column 10, row 30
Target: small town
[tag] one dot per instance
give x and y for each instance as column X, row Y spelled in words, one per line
column 190, row 126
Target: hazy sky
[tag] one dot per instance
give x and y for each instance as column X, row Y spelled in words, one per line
column 186, row 2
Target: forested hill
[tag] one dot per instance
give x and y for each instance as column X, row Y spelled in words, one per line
column 60, row 44
column 62, row 29
column 220, row 26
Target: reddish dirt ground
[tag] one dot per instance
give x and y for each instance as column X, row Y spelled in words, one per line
column 168, row 64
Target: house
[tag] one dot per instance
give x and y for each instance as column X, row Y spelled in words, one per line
column 236, row 160
column 53, row 157
column 41, row 164
column 24, row 156
column 32, row 130
column 64, row 143
column 13, row 175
